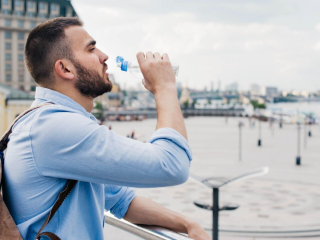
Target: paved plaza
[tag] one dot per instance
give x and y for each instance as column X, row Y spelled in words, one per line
column 283, row 203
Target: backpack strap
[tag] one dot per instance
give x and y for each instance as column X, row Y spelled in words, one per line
column 5, row 138
column 63, row 194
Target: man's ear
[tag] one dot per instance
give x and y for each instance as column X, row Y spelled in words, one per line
column 64, row 68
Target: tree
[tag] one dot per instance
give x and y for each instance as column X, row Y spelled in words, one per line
column 98, row 110
column 194, row 102
column 185, row 104
column 256, row 104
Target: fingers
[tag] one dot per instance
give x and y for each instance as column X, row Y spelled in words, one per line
column 157, row 56
column 140, row 57
column 165, row 57
column 149, row 56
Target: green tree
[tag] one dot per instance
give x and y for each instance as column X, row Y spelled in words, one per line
column 256, row 104
column 98, row 110
column 194, row 102
column 185, row 104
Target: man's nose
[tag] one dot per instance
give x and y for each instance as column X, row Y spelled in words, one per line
column 103, row 57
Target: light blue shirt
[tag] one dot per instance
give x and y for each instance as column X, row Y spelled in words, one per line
column 63, row 141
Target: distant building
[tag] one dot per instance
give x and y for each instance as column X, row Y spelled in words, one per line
column 255, row 89
column 179, row 86
column 219, row 85
column 271, row 91
column 115, row 97
column 185, row 97
column 12, row 103
column 244, row 99
column 146, row 100
column 230, row 99
column 17, row 19
column 233, row 87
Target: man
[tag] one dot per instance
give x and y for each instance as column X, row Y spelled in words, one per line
column 63, row 141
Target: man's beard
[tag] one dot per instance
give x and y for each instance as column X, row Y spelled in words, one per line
column 89, row 82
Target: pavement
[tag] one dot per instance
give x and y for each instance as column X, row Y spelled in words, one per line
column 282, row 204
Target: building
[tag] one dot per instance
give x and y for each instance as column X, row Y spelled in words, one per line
column 17, row 19
column 255, row 90
column 271, row 91
column 185, row 99
column 233, row 87
column 12, row 103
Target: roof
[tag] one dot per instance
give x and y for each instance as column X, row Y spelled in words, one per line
column 15, row 94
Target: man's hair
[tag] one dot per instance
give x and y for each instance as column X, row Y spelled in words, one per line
column 46, row 44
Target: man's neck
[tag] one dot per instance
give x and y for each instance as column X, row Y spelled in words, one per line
column 85, row 102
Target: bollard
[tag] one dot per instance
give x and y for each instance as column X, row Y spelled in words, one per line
column 310, row 134
column 240, row 140
column 259, row 140
column 305, row 134
column 280, row 122
column 298, row 158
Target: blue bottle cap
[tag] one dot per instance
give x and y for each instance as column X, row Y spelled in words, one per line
column 119, row 59
column 124, row 66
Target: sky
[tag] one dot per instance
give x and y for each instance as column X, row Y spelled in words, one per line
column 269, row 43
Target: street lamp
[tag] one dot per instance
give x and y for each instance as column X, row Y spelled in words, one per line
column 259, row 140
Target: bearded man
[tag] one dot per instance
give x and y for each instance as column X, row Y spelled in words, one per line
column 63, row 140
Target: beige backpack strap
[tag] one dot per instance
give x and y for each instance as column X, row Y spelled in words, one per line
column 8, row 228
column 5, row 138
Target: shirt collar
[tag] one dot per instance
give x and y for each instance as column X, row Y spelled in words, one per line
column 48, row 95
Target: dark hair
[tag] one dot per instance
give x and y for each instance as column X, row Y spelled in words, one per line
column 45, row 45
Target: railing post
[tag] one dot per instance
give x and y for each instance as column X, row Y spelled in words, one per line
column 215, row 214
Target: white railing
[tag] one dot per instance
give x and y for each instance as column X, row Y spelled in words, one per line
column 144, row 231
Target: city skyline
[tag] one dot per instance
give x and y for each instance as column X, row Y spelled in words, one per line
column 272, row 43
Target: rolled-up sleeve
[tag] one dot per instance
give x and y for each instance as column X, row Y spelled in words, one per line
column 118, row 199
column 72, row 146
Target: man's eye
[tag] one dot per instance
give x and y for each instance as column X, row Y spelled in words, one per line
column 92, row 49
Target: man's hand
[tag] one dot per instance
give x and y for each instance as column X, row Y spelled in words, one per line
column 157, row 71
column 145, row 211
column 159, row 79
column 195, row 231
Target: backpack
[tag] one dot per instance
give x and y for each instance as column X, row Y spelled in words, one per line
column 8, row 228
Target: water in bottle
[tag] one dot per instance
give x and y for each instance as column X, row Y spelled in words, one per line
column 134, row 67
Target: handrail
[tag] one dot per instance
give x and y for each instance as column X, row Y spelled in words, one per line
column 144, row 231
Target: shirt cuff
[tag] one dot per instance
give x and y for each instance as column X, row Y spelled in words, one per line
column 174, row 136
column 120, row 209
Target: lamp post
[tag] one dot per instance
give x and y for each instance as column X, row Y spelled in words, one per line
column 310, row 123
column 280, row 123
column 298, row 158
column 305, row 132
column 259, row 140
column 240, row 140
column 271, row 123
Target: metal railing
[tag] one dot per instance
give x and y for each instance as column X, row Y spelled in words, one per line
column 144, row 231
column 160, row 233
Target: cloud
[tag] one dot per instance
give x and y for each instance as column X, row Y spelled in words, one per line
column 267, row 50
column 317, row 46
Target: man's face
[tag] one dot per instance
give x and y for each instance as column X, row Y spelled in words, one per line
column 91, row 76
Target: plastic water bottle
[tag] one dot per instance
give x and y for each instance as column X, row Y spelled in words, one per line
column 134, row 67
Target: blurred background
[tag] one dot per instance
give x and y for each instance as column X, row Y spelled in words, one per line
column 248, row 84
